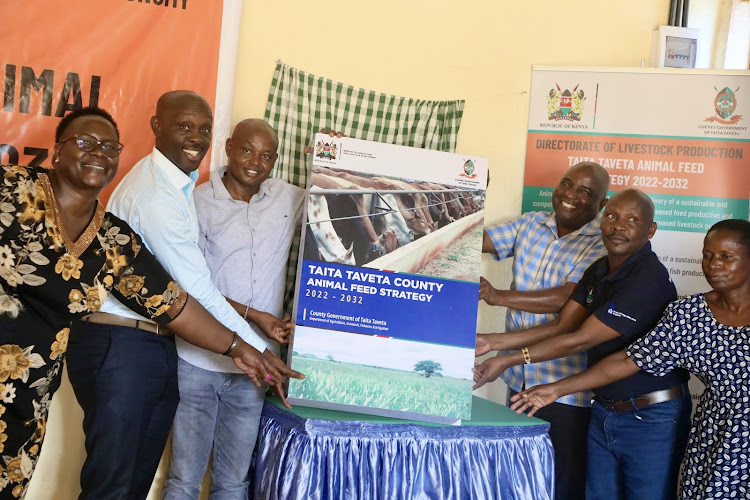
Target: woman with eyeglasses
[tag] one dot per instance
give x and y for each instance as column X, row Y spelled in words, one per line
column 61, row 254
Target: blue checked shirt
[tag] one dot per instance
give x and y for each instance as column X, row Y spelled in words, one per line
column 156, row 200
column 542, row 261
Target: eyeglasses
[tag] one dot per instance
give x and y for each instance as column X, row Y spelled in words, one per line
column 87, row 143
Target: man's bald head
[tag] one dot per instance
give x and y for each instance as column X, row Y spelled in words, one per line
column 254, row 125
column 627, row 225
column 579, row 196
column 639, row 198
column 180, row 99
column 252, row 152
column 596, row 171
column 182, row 126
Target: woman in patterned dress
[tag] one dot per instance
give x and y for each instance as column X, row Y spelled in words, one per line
column 60, row 255
column 709, row 335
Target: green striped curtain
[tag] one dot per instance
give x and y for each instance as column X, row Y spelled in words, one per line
column 300, row 104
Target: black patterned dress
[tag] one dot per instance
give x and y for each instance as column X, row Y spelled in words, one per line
column 46, row 281
column 717, row 459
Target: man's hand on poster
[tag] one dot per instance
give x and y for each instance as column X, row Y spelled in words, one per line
column 534, row 399
column 488, row 293
column 273, row 327
column 488, row 342
column 331, row 133
column 482, row 346
column 488, row 371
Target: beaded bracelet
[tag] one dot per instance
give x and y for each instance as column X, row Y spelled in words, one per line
column 526, row 355
column 247, row 308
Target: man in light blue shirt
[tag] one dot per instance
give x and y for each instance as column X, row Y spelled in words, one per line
column 156, row 197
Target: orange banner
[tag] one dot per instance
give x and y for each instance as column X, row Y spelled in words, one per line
column 652, row 164
column 120, row 55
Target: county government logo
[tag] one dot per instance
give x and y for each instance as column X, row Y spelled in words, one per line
column 326, row 150
column 565, row 104
column 725, row 104
column 468, row 170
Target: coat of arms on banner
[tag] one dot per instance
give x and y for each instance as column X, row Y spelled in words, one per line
column 725, row 104
column 565, row 104
column 326, row 150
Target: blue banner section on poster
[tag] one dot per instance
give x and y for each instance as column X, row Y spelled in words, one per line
column 404, row 306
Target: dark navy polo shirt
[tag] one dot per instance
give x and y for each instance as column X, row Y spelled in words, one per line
column 631, row 301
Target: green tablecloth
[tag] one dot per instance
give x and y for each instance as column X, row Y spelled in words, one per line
column 483, row 413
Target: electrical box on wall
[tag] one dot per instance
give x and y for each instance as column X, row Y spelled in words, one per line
column 674, row 47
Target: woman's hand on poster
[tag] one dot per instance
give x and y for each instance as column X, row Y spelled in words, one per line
column 263, row 367
column 251, row 361
column 281, row 367
column 488, row 371
column 534, row 399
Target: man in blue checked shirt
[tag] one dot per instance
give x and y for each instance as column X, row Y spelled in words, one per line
column 551, row 251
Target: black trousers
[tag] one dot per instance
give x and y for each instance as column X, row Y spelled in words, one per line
column 126, row 382
column 569, row 427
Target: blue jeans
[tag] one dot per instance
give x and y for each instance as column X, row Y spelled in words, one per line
column 636, row 455
column 219, row 411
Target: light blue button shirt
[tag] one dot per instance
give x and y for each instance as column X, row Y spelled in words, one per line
column 156, row 199
column 246, row 244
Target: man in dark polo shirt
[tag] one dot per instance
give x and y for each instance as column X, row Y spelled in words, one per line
column 639, row 425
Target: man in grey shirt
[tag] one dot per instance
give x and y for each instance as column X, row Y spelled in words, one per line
column 247, row 223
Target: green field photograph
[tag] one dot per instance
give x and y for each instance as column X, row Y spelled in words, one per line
column 383, row 373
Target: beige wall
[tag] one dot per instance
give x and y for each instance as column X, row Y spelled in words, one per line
column 705, row 15
column 480, row 51
column 724, row 32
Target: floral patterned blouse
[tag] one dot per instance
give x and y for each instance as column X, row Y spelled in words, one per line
column 46, row 281
column 717, row 458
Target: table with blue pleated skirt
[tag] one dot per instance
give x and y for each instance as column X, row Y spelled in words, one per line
column 311, row 453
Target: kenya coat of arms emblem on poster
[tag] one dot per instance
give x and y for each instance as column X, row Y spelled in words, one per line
column 565, row 104
column 326, row 150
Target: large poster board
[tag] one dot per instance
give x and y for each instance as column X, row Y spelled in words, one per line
column 679, row 135
column 386, row 298
column 120, row 55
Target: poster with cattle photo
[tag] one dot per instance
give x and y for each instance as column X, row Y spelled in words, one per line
column 387, row 286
